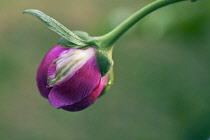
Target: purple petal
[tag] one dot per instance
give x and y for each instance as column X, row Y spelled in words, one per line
column 79, row 86
column 42, row 71
column 87, row 101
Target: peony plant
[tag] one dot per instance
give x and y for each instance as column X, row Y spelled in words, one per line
column 79, row 69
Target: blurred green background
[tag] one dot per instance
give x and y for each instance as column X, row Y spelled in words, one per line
column 162, row 72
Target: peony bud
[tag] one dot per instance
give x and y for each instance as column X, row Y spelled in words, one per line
column 74, row 73
column 70, row 78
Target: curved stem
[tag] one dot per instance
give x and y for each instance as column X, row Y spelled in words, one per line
column 107, row 40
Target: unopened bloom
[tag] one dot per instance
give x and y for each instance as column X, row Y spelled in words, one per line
column 74, row 73
column 70, row 78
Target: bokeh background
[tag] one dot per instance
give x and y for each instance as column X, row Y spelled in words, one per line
column 162, row 72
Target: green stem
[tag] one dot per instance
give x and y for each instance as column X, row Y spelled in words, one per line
column 106, row 41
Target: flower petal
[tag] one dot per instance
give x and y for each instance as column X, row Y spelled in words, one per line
column 87, row 101
column 76, row 88
column 42, row 72
column 67, row 64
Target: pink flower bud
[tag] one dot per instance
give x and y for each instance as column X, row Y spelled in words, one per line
column 70, row 78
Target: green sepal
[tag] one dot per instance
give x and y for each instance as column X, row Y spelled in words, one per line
column 66, row 43
column 109, row 82
column 104, row 62
column 63, row 42
column 83, row 35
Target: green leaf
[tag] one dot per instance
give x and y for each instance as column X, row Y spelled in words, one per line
column 104, row 62
column 57, row 27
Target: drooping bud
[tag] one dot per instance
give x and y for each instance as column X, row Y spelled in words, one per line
column 70, row 78
column 72, row 75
